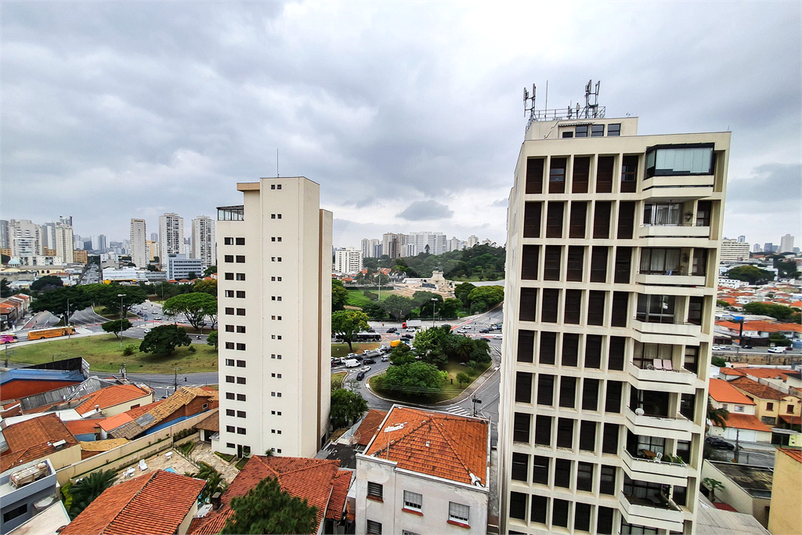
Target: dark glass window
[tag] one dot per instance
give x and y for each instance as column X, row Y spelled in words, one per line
column 528, row 304
column 534, row 175
column 582, row 516
column 584, row 476
column 601, row 220
column 545, row 389
column 526, row 345
column 614, row 129
column 539, row 509
column 696, row 310
column 540, row 469
column 620, row 306
column 615, row 357
column 559, row 513
column 587, row 435
column 562, row 473
column 656, row 308
column 677, row 160
column 573, row 304
column 240, row 241
column 623, row 264
column 660, row 260
column 612, row 401
column 551, row 263
column 604, row 525
column 554, row 220
column 565, row 433
column 699, row 267
column 520, row 464
column 568, row 392
column 597, row 130
column 691, row 359
column 596, row 307
column 581, row 174
column 543, row 430
column 582, row 130
column 626, row 220
column 557, row 175
column 629, row 174
column 517, row 505
column 590, row 394
column 604, row 174
column 703, row 209
column 610, row 439
column 550, row 302
column 579, row 212
column 575, row 264
column 607, row 478
column 570, row 349
column 520, row 428
column 532, row 219
column 529, row 262
column 548, row 347
column 523, row 387
column 593, row 349
column 598, row 264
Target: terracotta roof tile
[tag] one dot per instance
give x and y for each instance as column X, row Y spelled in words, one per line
column 370, row 424
column 139, row 506
column 32, row 439
column 767, row 373
column 339, row 494
column 160, row 411
column 723, row 392
column 438, row 444
column 762, row 326
column 111, row 397
column 744, row 384
column 792, row 420
column 103, row 445
column 84, row 427
column 746, row 421
column 319, row 481
column 794, row 453
column 731, row 371
column 114, row 422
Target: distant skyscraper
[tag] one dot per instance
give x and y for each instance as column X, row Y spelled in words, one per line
column 275, row 319
column 733, row 251
column 391, row 245
column 368, row 247
column 154, row 236
column 65, row 220
column 427, row 242
column 472, row 241
column 768, row 247
column 26, row 240
column 348, row 260
column 49, row 235
column 171, row 236
column 756, row 248
column 139, row 251
column 5, row 241
column 741, row 239
column 455, row 244
column 63, row 245
column 204, row 244
column 787, row 244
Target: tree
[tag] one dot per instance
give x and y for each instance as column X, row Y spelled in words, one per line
column 489, row 295
column 717, row 417
column 786, row 269
column 85, row 491
column 46, row 283
column 109, row 297
column 339, row 295
column 374, row 311
column 347, row 323
column 5, row 289
column 718, row 362
column 461, row 292
column 214, row 481
column 267, row 508
column 779, row 312
column 712, row 485
column 195, row 306
column 212, row 339
column 163, row 340
column 423, row 300
column 58, row 301
column 346, row 407
column 209, row 271
column 401, row 354
column 414, row 379
column 779, row 340
column 206, row 286
column 750, row 274
column 398, row 306
column 463, row 378
column 116, row 326
column 449, row 308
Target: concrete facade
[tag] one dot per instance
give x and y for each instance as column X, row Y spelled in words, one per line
column 171, row 236
column 139, row 250
column 612, row 247
column 274, row 291
column 204, row 243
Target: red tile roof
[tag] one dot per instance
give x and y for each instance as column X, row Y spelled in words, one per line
column 731, row 371
column 319, row 481
column 111, row 397
column 767, row 373
column 370, row 424
column 746, row 421
column 438, row 444
column 139, row 506
column 744, row 384
column 761, row 326
column 32, row 439
column 795, row 454
column 792, row 420
column 723, row 392
column 84, row 427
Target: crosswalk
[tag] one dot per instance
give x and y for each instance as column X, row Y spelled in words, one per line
column 459, row 411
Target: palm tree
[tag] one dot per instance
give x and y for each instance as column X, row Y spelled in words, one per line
column 712, row 485
column 85, row 490
column 717, row 417
column 214, row 480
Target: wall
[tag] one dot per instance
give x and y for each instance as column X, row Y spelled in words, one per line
column 786, row 514
column 737, row 497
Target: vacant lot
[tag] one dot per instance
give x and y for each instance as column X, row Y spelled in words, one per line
column 103, row 354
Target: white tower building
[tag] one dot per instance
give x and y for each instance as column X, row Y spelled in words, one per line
column 274, row 288
column 787, row 244
column 204, row 244
column 63, row 244
column 171, row 236
column 139, row 249
column 348, row 260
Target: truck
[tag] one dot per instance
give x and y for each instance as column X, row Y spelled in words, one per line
column 38, row 334
column 351, row 363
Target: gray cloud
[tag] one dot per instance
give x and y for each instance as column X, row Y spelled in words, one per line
column 425, row 211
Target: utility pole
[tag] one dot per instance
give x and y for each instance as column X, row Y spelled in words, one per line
column 475, row 401
column 737, row 444
column 175, row 381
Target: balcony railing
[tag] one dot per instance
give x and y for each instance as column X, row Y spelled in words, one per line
column 662, row 375
column 673, row 231
column 652, row 512
column 676, row 427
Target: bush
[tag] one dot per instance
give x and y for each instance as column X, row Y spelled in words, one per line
column 225, row 456
column 192, row 349
column 242, row 462
column 129, row 350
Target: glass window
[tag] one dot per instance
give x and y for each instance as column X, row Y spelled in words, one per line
column 656, row 308
column 374, row 528
column 413, row 500
column 582, row 131
column 584, row 476
column 662, row 214
column 614, row 129
column 375, row 490
column 679, row 161
column 240, row 241
column 458, row 512
column 228, row 241
column 597, row 130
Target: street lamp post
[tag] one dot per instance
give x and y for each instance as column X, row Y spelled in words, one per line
column 434, row 310
column 68, row 319
column 121, row 296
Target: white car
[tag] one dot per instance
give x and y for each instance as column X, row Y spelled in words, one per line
column 146, row 331
column 776, row 350
column 497, row 337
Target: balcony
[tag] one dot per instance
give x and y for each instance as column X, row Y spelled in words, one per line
column 676, row 329
column 653, row 512
column 657, row 470
column 673, row 231
column 678, row 427
column 670, row 278
column 678, row 187
column 673, row 376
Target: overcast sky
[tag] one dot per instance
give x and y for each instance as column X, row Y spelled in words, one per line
column 409, row 115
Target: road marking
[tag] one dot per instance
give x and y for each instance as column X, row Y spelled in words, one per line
column 459, row 411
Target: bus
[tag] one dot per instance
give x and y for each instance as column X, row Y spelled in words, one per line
column 52, row 332
column 8, row 338
column 368, row 337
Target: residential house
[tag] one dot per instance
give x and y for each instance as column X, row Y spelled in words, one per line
column 367, row 428
column 43, row 437
column 159, row 503
column 786, row 513
column 114, row 400
column 424, row 472
column 747, row 488
column 742, row 424
column 770, row 404
column 24, row 491
column 186, row 402
column 209, row 426
column 321, row 482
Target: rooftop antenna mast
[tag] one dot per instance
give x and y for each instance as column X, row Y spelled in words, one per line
column 277, row 163
column 530, row 108
column 591, row 108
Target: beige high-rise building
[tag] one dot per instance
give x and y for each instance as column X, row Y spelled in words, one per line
column 171, row 236
column 733, row 251
column 139, row 249
column 274, row 290
column 63, row 243
column 204, row 245
column 612, row 252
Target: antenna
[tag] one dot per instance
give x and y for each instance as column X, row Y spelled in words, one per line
column 277, row 163
column 527, row 98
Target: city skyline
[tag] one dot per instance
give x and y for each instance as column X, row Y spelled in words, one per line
column 403, row 125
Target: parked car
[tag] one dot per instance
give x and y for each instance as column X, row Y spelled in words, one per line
column 747, row 346
column 497, row 337
column 411, row 330
column 484, row 331
column 369, row 361
column 392, row 330
column 719, row 444
column 146, row 331
column 385, row 358
column 776, row 350
column 360, row 376
column 721, row 348
column 407, row 337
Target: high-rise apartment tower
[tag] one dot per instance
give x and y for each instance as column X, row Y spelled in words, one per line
column 139, row 249
column 274, row 290
column 612, row 249
column 171, row 236
column 204, row 245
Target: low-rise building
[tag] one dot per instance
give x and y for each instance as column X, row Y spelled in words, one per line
column 43, row 437
column 770, row 403
column 424, row 472
column 786, row 513
column 742, row 424
column 179, row 267
column 24, row 491
column 746, row 488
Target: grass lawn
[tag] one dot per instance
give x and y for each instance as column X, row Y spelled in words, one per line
column 103, row 354
column 341, row 350
column 357, row 298
column 337, row 379
column 450, row 391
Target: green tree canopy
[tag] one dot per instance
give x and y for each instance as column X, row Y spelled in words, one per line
column 423, row 300
column 339, row 295
column 401, row 354
column 109, row 297
column 212, row 339
column 48, row 282
column 209, row 271
column 214, row 480
column 196, row 306
column 163, row 340
column 347, row 323
column 414, row 379
column 462, row 291
column 59, row 300
column 5, row 289
column 206, row 286
column 374, row 311
column 267, row 508
column 85, row 491
column 489, row 295
column 398, row 306
column 449, row 308
column 116, row 326
column 751, row 274
column 346, row 407
column 779, row 312
column 717, row 416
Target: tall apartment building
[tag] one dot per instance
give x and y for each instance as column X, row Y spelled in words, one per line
column 787, row 244
column 171, row 236
column 733, row 251
column 348, row 260
column 274, row 289
column 427, row 242
column 393, row 245
column 139, row 249
column 473, row 241
column 612, row 247
column 204, row 244
column 26, row 239
column 64, row 246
